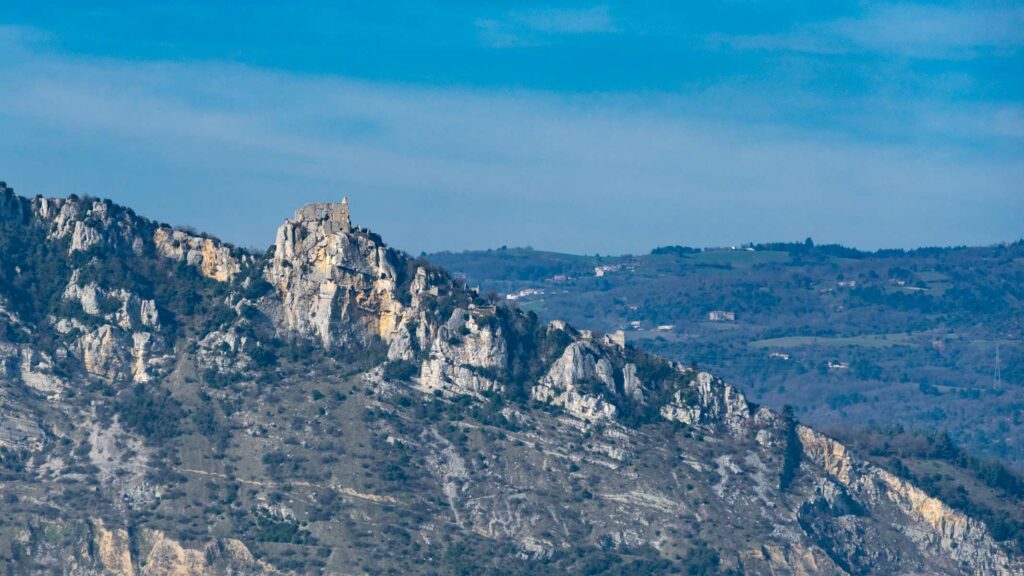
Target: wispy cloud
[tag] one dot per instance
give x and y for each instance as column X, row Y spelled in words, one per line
column 233, row 149
column 563, row 21
column 912, row 30
column 13, row 36
column 541, row 26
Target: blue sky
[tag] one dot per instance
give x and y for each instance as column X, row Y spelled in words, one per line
column 588, row 127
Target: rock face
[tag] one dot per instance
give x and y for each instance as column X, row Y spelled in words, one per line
column 211, row 258
column 342, row 286
column 112, row 549
column 708, row 401
column 108, row 551
column 167, row 557
column 334, row 284
column 125, row 342
column 580, row 368
column 37, row 372
column 934, row 526
column 151, row 416
column 464, row 355
column 85, row 223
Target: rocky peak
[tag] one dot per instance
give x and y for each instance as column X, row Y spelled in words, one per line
column 334, row 282
column 87, row 222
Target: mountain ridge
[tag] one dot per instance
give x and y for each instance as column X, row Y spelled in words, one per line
column 180, row 343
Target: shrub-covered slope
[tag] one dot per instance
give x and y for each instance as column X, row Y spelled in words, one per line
column 172, row 405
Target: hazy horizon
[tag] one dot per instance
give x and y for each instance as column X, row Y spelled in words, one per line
column 581, row 127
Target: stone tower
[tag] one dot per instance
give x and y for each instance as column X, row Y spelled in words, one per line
column 334, row 216
column 343, row 217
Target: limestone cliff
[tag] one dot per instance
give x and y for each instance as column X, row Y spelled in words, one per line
column 213, row 259
column 344, row 287
column 102, row 550
column 86, row 222
column 172, row 405
column 334, row 283
column 124, row 340
column 708, row 400
column 934, row 525
column 566, row 382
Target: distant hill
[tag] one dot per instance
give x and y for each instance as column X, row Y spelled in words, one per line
column 912, row 335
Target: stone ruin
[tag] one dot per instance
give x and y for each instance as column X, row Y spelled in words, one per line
column 334, row 215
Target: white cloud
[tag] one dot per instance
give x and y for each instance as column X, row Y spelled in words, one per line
column 596, row 19
column 913, row 30
column 234, row 149
column 540, row 26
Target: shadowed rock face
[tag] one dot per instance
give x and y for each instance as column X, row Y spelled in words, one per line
column 203, row 443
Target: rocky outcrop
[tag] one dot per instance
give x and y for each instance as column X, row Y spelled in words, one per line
column 112, row 549
column 933, row 526
column 795, row 560
column 64, row 215
column 85, row 223
column 465, row 355
column 167, row 557
column 632, row 386
column 335, row 284
column 119, row 307
column 84, row 237
column 104, row 352
column 578, row 381
column 708, row 401
column 342, row 286
column 160, row 555
column 213, row 259
column 37, row 372
column 126, row 344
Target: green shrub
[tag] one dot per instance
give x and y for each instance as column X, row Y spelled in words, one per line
column 150, row 411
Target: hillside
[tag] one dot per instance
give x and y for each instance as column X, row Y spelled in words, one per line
column 175, row 405
column 849, row 338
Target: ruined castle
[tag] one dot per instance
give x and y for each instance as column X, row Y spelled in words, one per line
column 334, row 215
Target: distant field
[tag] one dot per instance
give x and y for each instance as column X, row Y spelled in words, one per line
column 930, row 276
column 738, row 257
column 532, row 306
column 922, row 325
column 867, row 340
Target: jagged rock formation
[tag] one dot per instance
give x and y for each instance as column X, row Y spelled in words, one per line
column 101, row 550
column 466, row 354
column 334, row 284
column 933, row 525
column 211, row 258
column 171, row 405
column 582, row 363
column 127, row 345
column 708, row 401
